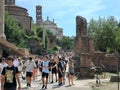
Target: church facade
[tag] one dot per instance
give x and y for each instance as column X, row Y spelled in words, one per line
column 48, row 24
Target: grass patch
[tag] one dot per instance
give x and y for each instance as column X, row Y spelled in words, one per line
column 106, row 86
column 95, row 89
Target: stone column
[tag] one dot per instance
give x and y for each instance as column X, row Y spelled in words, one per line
column 2, row 35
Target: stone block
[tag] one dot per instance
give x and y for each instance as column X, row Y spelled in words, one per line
column 115, row 79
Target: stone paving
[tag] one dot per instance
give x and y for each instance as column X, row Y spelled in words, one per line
column 79, row 85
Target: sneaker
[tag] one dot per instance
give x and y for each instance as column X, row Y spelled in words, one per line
column 43, row 87
column 29, row 85
column 73, row 84
column 56, row 80
column 60, row 84
column 52, row 82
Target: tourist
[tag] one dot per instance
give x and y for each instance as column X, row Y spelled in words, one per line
column 35, row 71
column 71, row 72
column 29, row 66
column 60, row 72
column 45, row 71
column 40, row 60
column 2, row 64
column 20, row 66
column 9, row 75
column 50, row 70
column 16, row 62
column 54, row 69
column 64, row 64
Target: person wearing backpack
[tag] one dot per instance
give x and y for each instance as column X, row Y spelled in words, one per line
column 9, row 75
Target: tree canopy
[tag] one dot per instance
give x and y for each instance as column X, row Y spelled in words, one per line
column 14, row 33
column 106, row 34
column 66, row 43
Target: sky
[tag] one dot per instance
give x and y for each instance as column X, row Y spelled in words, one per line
column 64, row 12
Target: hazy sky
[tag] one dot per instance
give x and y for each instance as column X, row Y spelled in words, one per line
column 64, row 12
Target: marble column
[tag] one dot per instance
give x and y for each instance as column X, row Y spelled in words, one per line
column 2, row 35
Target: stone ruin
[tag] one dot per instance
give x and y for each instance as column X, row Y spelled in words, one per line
column 52, row 41
column 84, row 50
column 86, row 57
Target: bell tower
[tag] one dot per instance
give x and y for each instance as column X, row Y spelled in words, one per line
column 9, row 2
column 38, row 14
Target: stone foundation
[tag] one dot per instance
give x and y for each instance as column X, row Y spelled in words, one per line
column 86, row 72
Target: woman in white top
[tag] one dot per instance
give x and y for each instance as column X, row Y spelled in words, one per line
column 20, row 65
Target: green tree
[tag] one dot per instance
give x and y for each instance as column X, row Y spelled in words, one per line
column 14, row 33
column 104, row 33
column 39, row 32
column 66, row 43
column 117, row 39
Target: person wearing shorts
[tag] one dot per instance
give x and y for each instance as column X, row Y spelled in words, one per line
column 45, row 71
column 29, row 66
column 71, row 72
column 54, row 69
column 60, row 72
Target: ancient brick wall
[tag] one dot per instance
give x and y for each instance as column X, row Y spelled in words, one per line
column 85, row 45
column 109, row 61
column 77, row 48
column 81, row 26
column 51, row 41
column 20, row 15
column 84, row 48
column 34, row 45
column 91, row 46
column 16, row 10
column 85, row 60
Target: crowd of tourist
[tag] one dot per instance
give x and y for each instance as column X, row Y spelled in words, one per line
column 51, row 68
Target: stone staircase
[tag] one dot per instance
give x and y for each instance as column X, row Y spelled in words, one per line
column 11, row 48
